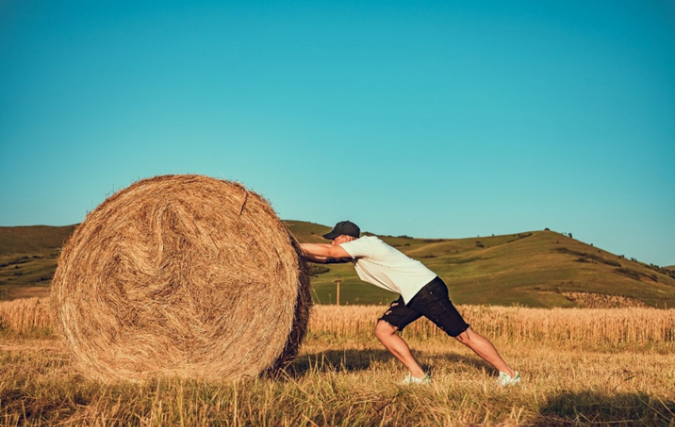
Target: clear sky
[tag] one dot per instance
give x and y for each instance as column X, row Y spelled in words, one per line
column 425, row 118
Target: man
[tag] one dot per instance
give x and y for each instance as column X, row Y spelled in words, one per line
column 422, row 293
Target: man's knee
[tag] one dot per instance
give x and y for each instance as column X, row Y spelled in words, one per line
column 384, row 329
column 465, row 337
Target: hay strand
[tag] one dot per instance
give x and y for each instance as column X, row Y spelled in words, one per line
column 173, row 277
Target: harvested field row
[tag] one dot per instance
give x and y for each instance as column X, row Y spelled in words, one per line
column 588, row 327
column 352, row 381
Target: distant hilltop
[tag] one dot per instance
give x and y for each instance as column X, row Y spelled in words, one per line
column 532, row 268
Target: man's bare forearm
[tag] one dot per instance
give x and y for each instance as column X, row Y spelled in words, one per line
column 321, row 253
column 316, row 249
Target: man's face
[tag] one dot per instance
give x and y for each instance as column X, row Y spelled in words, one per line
column 342, row 239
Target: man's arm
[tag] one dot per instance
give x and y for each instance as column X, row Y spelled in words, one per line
column 324, row 253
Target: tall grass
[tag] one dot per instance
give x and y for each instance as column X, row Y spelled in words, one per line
column 592, row 328
column 26, row 316
column 560, row 326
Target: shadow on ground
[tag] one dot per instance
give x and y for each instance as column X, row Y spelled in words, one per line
column 361, row 360
column 588, row 408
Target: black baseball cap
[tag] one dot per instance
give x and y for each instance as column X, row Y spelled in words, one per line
column 346, row 228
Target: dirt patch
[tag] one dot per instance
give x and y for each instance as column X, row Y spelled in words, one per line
column 27, row 292
column 593, row 300
column 31, row 349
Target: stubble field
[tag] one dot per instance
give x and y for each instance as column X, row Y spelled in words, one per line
column 579, row 366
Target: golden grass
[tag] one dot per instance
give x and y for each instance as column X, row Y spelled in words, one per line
column 346, row 381
column 587, row 328
column 25, row 316
column 343, row 377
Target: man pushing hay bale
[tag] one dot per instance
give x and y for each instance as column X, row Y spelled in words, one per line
column 181, row 275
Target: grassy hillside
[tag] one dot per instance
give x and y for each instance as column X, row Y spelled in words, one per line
column 28, row 257
column 535, row 269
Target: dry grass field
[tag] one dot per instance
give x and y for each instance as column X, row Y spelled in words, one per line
column 580, row 367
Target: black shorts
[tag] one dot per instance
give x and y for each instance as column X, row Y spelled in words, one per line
column 432, row 302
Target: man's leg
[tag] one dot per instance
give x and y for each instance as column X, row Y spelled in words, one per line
column 434, row 303
column 386, row 333
column 484, row 348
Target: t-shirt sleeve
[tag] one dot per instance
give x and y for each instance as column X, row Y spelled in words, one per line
column 358, row 248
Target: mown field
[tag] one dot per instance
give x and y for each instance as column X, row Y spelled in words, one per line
column 580, row 367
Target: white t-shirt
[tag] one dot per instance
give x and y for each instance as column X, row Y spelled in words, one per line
column 382, row 265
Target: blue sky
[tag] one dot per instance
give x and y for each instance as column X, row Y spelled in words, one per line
column 430, row 119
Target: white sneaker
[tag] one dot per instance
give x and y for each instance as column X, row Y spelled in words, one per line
column 504, row 380
column 410, row 380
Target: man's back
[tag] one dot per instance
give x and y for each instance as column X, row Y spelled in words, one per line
column 385, row 266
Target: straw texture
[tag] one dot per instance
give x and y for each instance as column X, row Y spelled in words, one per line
column 181, row 275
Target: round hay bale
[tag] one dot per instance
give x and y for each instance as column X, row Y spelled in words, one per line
column 181, row 275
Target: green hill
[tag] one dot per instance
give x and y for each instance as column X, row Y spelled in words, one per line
column 28, row 257
column 535, row 269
